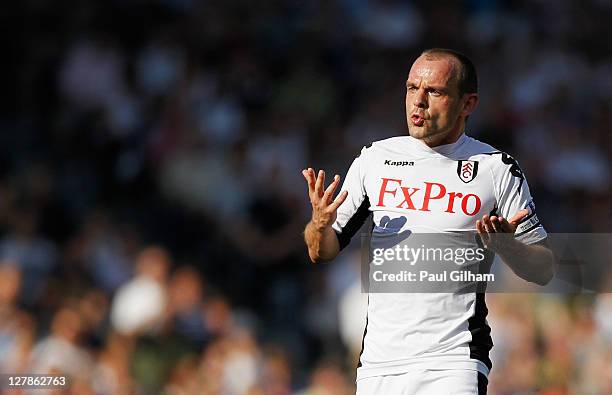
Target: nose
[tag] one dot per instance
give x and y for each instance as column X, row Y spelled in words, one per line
column 420, row 98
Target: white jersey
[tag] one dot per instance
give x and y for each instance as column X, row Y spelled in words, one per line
column 438, row 190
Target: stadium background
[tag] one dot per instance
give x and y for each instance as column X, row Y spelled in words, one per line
column 151, row 201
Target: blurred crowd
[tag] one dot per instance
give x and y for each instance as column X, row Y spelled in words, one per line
column 151, row 199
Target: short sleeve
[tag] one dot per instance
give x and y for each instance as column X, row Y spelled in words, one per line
column 354, row 211
column 513, row 196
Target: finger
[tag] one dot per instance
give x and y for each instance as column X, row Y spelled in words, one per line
column 480, row 227
column 519, row 216
column 487, row 224
column 310, row 180
column 495, row 224
column 506, row 227
column 339, row 200
column 329, row 192
column 482, row 232
column 486, row 239
column 319, row 183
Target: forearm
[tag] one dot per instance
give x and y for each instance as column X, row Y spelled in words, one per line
column 322, row 243
column 533, row 262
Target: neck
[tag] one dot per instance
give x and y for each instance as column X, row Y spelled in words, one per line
column 434, row 141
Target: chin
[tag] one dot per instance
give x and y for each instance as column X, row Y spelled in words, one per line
column 418, row 133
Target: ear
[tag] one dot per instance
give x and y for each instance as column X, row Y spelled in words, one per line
column 470, row 104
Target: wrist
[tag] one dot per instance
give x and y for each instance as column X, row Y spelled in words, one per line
column 320, row 228
column 319, row 225
column 507, row 245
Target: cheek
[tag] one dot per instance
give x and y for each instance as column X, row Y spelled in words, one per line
column 445, row 111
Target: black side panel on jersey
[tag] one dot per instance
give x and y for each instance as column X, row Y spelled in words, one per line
column 482, row 384
column 365, row 331
column 481, row 342
column 353, row 224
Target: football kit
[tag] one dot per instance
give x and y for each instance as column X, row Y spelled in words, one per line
column 441, row 190
column 426, row 382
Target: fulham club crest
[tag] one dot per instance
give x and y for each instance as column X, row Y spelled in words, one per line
column 467, row 170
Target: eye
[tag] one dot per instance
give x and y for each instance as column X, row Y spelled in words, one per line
column 435, row 92
column 411, row 88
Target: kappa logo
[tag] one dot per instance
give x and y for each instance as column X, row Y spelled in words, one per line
column 467, row 170
column 398, row 163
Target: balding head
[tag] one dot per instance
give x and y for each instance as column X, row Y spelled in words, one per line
column 464, row 71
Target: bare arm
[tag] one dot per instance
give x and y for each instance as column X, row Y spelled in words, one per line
column 319, row 235
column 322, row 243
column 533, row 262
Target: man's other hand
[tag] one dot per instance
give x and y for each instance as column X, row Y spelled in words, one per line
column 491, row 228
column 324, row 207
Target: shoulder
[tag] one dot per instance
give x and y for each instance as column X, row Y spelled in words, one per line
column 501, row 164
column 477, row 149
column 391, row 141
column 396, row 144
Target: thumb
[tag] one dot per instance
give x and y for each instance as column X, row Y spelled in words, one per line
column 519, row 216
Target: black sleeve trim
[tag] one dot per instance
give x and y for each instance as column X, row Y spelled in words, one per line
column 353, row 224
column 514, row 169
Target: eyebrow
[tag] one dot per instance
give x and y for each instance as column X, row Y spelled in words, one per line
column 438, row 88
column 430, row 87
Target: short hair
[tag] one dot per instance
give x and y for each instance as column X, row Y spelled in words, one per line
column 467, row 79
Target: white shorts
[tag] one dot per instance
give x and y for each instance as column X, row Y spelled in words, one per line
column 425, row 382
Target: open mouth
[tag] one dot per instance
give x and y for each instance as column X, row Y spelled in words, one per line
column 417, row 120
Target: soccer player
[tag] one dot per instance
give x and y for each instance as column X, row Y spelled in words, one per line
column 441, row 181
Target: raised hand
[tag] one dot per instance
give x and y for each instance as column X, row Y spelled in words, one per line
column 324, row 207
column 491, row 227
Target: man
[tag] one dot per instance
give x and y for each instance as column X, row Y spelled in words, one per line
column 439, row 180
